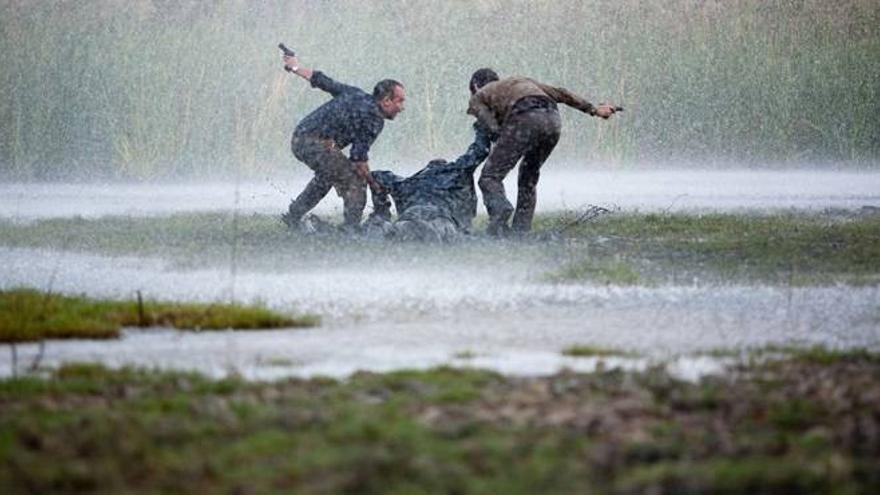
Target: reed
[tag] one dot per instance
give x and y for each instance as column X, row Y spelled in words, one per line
column 150, row 89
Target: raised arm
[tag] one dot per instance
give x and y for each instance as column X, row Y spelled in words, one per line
column 317, row 78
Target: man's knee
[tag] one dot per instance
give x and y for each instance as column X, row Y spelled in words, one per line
column 489, row 183
column 355, row 203
column 354, row 199
column 299, row 149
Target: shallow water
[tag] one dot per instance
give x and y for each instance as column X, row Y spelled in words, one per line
column 378, row 318
column 498, row 314
column 644, row 190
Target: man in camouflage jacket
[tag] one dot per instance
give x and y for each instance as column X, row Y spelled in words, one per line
column 523, row 114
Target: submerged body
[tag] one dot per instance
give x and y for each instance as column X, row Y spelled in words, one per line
column 438, row 202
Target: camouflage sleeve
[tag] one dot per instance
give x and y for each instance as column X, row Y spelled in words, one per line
column 478, row 150
column 325, row 83
column 479, row 109
column 566, row 97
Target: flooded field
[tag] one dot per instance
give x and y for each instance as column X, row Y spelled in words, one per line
column 481, row 303
column 645, row 190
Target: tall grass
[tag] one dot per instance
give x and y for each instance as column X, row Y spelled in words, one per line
column 153, row 88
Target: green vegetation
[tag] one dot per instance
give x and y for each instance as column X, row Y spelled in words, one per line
column 190, row 236
column 592, row 351
column 791, row 426
column 604, row 271
column 818, row 355
column 262, row 242
column 29, row 315
column 756, row 475
column 792, row 249
column 788, row 248
column 465, row 354
column 142, row 98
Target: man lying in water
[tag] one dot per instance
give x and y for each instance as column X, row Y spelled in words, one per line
column 437, row 203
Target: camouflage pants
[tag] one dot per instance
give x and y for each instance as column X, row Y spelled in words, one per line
column 423, row 223
column 531, row 136
column 332, row 170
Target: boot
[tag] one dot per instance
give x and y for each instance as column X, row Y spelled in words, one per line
column 498, row 228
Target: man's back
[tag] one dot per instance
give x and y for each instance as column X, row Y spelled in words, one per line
column 495, row 101
column 352, row 116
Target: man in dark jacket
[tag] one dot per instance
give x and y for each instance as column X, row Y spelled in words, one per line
column 523, row 114
column 352, row 117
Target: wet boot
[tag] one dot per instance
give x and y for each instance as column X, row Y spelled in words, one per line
column 293, row 217
column 498, row 229
column 499, row 209
column 291, row 220
column 315, row 190
column 498, row 226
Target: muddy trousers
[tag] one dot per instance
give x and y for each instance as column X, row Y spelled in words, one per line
column 333, row 170
column 530, row 136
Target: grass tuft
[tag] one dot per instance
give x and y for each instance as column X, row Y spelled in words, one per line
column 592, row 351
column 30, row 315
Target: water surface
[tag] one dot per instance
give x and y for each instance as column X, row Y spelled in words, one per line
column 487, row 311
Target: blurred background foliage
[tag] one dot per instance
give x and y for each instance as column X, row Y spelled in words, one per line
column 151, row 89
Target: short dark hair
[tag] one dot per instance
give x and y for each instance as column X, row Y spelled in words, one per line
column 385, row 88
column 481, row 78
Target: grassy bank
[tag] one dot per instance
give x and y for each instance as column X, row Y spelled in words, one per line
column 788, row 248
column 795, row 425
column 30, row 315
column 261, row 242
column 622, row 249
column 153, row 88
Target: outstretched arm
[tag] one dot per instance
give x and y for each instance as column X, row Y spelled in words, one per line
column 477, row 151
column 479, row 109
column 566, row 97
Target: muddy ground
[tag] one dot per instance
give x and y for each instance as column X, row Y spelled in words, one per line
column 798, row 422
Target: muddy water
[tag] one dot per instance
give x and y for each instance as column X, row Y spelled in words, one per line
column 500, row 315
